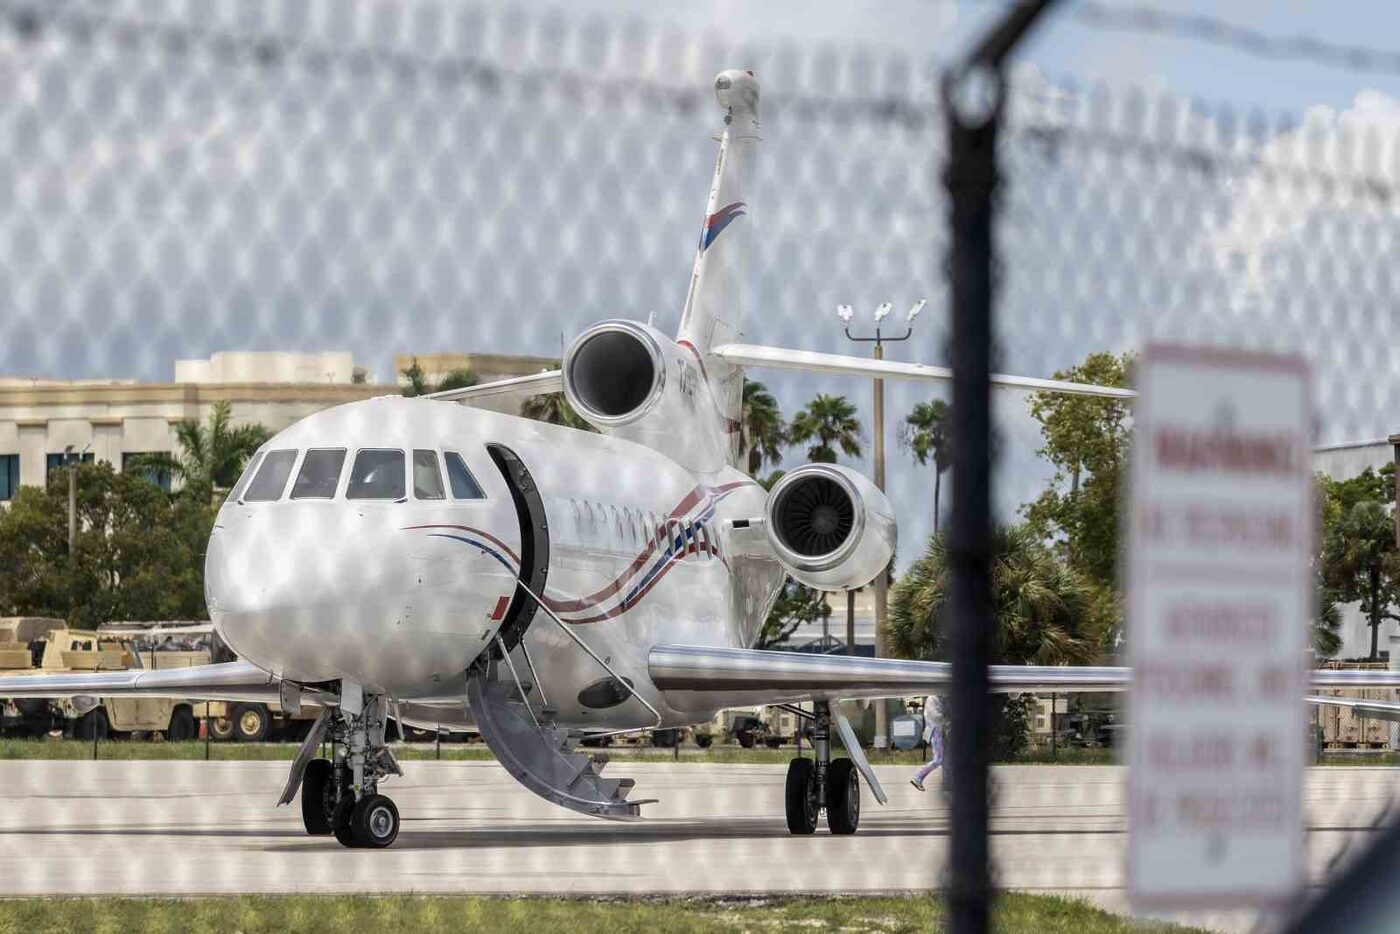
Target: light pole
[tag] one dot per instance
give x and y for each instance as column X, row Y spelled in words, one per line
column 71, row 460
column 845, row 313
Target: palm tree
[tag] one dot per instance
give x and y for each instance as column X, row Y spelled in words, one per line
column 831, row 422
column 555, row 409
column 211, row 457
column 1047, row 613
column 761, row 428
column 926, row 433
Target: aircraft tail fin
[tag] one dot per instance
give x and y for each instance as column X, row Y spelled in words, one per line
column 717, row 303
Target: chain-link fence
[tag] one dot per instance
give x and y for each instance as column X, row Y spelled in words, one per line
column 179, row 179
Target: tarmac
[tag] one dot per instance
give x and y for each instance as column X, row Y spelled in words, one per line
column 184, row 828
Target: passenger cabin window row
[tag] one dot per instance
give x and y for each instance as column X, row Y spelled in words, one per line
column 375, row 474
column 630, row 527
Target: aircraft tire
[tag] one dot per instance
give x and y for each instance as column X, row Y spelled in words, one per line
column 801, row 796
column 318, row 798
column 375, row 821
column 341, row 824
column 842, row 796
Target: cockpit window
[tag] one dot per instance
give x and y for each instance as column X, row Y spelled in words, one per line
column 427, row 478
column 248, row 472
column 319, row 474
column 271, row 478
column 464, row 485
column 377, row 474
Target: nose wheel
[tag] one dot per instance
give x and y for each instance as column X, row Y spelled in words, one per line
column 822, row 783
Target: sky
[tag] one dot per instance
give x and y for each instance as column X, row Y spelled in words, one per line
column 163, row 197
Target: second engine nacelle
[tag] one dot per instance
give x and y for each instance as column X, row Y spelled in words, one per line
column 831, row 527
column 630, row 380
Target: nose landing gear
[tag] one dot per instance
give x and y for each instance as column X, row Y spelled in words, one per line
column 822, row 783
column 341, row 796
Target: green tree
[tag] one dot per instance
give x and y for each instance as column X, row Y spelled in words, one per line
column 1087, row 439
column 761, row 429
column 797, row 604
column 1359, row 562
column 138, row 555
column 461, row 378
column 418, row 384
column 1047, row 613
column 555, row 409
column 829, row 422
column 211, row 457
column 926, row 433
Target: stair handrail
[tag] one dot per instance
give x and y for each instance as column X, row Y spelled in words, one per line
column 594, row 655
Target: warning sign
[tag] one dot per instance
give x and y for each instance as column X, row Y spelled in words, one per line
column 1220, row 594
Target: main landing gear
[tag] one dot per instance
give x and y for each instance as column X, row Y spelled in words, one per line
column 340, row 795
column 814, row 784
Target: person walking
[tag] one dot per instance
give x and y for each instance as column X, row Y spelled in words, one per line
column 933, row 735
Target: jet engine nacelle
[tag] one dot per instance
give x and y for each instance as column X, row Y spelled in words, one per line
column 831, row 527
column 629, row 379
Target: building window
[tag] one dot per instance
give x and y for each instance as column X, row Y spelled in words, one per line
column 131, row 463
column 54, row 462
column 9, row 476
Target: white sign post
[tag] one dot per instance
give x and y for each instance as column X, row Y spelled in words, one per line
column 1220, row 595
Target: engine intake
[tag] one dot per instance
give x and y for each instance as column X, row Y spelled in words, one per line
column 831, row 527
column 614, row 373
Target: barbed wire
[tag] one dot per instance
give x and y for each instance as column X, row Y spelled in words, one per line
column 265, row 51
column 1200, row 27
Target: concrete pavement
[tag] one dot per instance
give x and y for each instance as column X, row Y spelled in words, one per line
column 152, row 827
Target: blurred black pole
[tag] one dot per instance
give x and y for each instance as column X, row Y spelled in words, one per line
column 973, row 95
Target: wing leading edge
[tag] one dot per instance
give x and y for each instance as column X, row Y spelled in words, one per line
column 230, row 681
column 701, row 677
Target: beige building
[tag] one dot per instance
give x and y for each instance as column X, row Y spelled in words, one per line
column 114, row 420
column 488, row 367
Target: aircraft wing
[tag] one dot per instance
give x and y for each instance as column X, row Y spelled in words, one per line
column 227, row 681
column 704, row 677
column 511, row 390
column 696, row 676
column 780, row 358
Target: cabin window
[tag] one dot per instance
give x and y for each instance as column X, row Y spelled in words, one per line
column 271, row 478
column 427, row 477
column 319, row 474
column 464, row 485
column 248, row 472
column 377, row 474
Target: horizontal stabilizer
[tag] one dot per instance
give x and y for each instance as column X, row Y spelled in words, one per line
column 780, row 358
column 505, row 390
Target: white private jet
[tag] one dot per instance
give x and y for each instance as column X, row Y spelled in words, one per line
column 454, row 566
